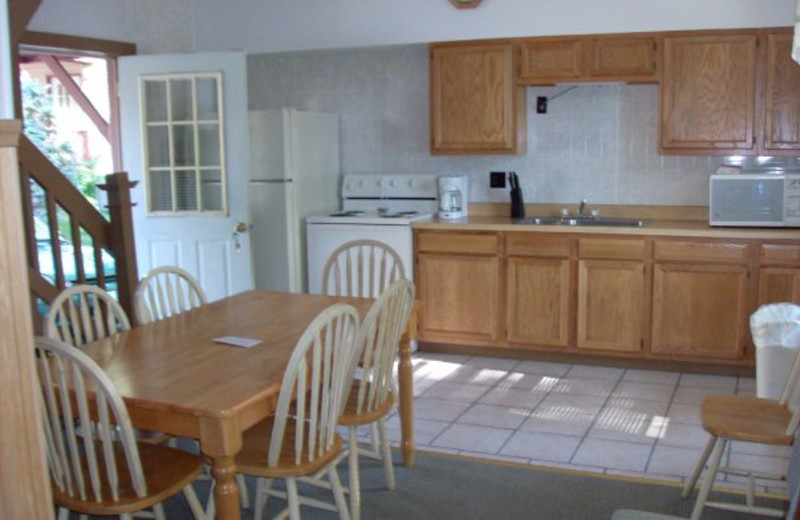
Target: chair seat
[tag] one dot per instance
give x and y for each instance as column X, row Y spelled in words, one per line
column 167, row 470
column 744, row 418
column 351, row 417
column 252, row 459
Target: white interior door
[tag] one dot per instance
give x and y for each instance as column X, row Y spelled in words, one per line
column 191, row 201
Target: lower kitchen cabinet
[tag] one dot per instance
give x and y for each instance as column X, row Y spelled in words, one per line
column 650, row 297
column 779, row 284
column 779, row 274
column 700, row 311
column 611, row 292
column 459, row 279
column 610, row 305
column 539, row 289
column 701, row 299
column 539, row 301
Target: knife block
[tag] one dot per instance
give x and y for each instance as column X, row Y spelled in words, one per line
column 517, row 204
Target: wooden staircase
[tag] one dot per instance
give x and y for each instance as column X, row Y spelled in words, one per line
column 90, row 232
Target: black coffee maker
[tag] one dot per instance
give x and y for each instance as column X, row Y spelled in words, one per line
column 517, row 204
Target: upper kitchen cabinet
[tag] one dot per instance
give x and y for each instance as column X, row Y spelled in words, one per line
column 629, row 58
column 708, row 94
column 782, row 96
column 476, row 106
column 729, row 93
column 550, row 60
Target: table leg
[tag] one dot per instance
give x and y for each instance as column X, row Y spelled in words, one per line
column 226, row 493
column 406, row 384
column 220, row 442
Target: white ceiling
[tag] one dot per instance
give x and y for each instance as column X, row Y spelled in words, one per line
column 283, row 25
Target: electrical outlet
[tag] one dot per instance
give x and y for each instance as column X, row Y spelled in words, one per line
column 541, row 104
column 497, row 179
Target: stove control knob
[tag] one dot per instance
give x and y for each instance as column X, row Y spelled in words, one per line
column 381, row 183
column 412, row 183
column 363, row 184
column 393, row 183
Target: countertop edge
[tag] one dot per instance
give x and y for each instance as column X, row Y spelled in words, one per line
column 651, row 228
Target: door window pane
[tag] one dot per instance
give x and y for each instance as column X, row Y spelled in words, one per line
column 158, row 146
column 186, row 190
column 207, row 98
column 209, row 146
column 155, row 95
column 183, row 145
column 182, row 99
column 160, row 190
column 211, row 190
column 184, row 156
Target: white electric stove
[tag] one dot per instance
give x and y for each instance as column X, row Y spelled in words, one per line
column 377, row 207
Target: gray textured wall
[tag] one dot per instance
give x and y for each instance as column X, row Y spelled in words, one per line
column 596, row 142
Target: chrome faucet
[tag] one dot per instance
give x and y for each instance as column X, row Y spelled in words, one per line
column 581, row 207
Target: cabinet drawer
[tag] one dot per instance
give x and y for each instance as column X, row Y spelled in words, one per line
column 619, row 57
column 467, row 243
column 526, row 244
column 717, row 252
column 611, row 248
column 779, row 254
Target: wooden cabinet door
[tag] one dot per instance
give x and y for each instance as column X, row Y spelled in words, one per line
column 708, row 94
column 782, row 96
column 699, row 310
column 538, row 301
column 546, row 61
column 633, row 59
column 779, row 284
column 462, row 298
column 475, row 105
column 610, row 305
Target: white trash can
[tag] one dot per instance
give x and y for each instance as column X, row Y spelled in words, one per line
column 776, row 334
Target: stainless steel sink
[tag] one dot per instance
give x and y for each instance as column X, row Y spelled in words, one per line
column 582, row 220
column 540, row 221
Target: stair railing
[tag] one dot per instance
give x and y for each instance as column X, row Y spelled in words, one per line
column 55, row 261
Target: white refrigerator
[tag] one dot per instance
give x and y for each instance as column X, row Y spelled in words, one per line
column 294, row 173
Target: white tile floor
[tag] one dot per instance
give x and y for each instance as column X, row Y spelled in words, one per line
column 629, row 422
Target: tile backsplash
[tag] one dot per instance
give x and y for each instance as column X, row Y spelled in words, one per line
column 597, row 142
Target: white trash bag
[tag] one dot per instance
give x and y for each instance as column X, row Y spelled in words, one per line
column 776, row 334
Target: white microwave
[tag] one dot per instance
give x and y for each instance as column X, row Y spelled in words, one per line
column 754, row 199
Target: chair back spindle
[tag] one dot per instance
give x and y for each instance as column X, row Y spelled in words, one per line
column 790, row 396
column 361, row 268
column 84, row 313
column 319, row 375
column 86, row 423
column 166, row 291
column 379, row 336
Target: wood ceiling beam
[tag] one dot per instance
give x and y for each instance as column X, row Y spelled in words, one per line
column 77, row 94
column 20, row 13
column 63, row 42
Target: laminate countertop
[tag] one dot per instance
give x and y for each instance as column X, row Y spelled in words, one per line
column 652, row 227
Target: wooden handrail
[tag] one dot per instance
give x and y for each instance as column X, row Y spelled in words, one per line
column 115, row 235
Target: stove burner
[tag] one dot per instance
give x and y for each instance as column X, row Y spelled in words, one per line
column 350, row 213
column 399, row 214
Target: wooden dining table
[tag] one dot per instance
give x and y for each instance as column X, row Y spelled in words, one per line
column 176, row 379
